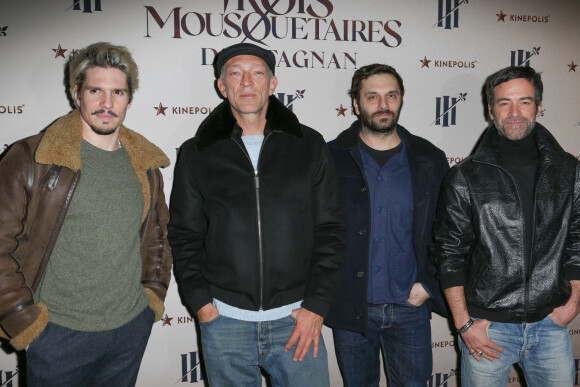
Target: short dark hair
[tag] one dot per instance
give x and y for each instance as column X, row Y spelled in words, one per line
column 514, row 72
column 368, row 71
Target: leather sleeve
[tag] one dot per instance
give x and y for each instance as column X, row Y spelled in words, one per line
column 453, row 231
column 155, row 249
column 17, row 308
column 572, row 267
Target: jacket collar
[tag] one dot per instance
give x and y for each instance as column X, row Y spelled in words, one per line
column 548, row 148
column 219, row 125
column 348, row 139
column 61, row 145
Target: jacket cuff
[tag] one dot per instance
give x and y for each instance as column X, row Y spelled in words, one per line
column 28, row 335
column 572, row 273
column 155, row 304
column 316, row 305
column 452, row 279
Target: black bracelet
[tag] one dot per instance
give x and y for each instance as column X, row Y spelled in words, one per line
column 466, row 327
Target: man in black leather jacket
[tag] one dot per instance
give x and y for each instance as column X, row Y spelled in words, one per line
column 507, row 241
column 257, row 230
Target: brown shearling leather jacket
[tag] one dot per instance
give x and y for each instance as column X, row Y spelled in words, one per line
column 38, row 177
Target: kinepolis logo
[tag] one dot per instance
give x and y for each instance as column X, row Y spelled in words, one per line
column 257, row 21
column 522, row 57
column 446, row 109
column 191, row 369
column 441, row 379
column 448, row 13
column 11, row 109
column 522, row 18
column 182, row 110
column 448, row 63
column 87, row 6
column 572, row 67
column 8, row 377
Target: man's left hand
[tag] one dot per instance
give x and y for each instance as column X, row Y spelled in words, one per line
column 418, row 295
column 306, row 332
column 564, row 314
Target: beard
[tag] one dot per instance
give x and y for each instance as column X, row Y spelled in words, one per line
column 104, row 130
column 515, row 134
column 384, row 125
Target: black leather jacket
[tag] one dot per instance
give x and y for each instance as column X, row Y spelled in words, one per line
column 479, row 227
column 259, row 239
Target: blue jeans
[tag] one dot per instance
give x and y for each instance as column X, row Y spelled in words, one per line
column 235, row 350
column 64, row 357
column 543, row 349
column 403, row 332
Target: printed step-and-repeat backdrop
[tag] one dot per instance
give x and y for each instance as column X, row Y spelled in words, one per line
column 444, row 50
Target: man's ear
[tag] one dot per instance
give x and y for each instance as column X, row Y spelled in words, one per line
column 273, row 84
column 356, row 107
column 222, row 88
column 76, row 98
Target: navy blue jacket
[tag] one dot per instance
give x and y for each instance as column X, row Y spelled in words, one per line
column 428, row 166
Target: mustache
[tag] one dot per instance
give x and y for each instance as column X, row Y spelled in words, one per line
column 514, row 119
column 389, row 112
column 109, row 112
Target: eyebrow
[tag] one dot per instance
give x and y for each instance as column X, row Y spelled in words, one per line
column 89, row 87
column 388, row 92
column 519, row 99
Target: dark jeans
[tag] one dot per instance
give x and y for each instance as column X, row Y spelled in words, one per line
column 64, row 357
column 403, row 332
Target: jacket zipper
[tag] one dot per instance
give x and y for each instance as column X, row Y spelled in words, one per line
column 527, row 269
column 258, row 214
column 55, row 231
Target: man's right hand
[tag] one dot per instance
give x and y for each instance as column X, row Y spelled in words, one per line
column 207, row 313
column 476, row 339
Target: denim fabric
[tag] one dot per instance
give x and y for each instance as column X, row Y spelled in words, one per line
column 63, row 357
column 403, row 333
column 543, row 349
column 235, row 350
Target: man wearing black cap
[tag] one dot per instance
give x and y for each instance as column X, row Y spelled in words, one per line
column 257, row 231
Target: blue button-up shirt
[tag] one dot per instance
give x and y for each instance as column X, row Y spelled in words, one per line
column 392, row 263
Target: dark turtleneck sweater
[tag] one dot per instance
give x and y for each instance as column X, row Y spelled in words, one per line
column 520, row 159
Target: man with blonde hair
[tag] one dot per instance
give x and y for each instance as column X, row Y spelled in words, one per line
column 84, row 221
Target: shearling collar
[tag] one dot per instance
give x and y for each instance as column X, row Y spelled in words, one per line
column 61, row 145
column 219, row 125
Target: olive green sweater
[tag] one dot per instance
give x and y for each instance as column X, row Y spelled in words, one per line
column 92, row 280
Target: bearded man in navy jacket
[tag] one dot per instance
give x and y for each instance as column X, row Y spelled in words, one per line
column 390, row 182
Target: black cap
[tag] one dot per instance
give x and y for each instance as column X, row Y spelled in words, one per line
column 245, row 49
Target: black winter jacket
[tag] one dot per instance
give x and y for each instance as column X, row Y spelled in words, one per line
column 428, row 166
column 256, row 239
column 479, row 230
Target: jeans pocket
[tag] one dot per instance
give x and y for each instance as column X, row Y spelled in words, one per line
column 549, row 318
column 206, row 323
column 408, row 304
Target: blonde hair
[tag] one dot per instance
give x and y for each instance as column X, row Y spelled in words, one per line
column 102, row 54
